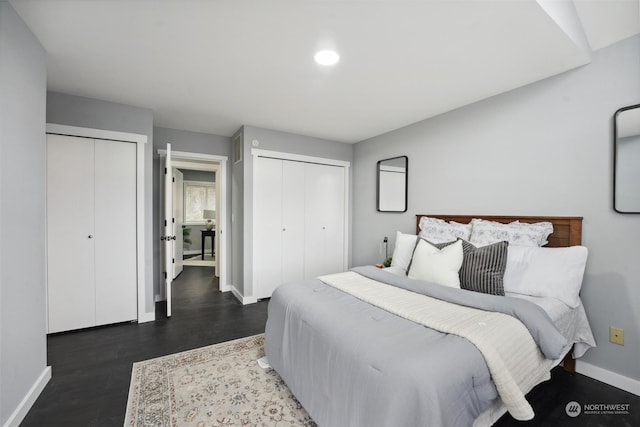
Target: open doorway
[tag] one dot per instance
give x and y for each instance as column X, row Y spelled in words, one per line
column 194, row 209
column 194, row 202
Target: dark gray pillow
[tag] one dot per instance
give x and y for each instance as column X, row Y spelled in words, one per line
column 483, row 267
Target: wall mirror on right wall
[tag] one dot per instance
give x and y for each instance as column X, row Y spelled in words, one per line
column 392, row 184
column 626, row 160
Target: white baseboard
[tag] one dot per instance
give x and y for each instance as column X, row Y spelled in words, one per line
column 620, row 381
column 27, row 402
column 225, row 288
column 243, row 300
column 147, row 317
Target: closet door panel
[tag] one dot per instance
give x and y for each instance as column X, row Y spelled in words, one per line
column 70, row 230
column 115, row 232
column 293, row 195
column 333, row 181
column 324, row 219
column 267, row 255
column 313, row 232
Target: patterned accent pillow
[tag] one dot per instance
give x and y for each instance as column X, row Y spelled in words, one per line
column 483, row 267
column 440, row 231
column 485, row 232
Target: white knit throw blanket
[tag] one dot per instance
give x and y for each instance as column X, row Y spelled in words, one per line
column 514, row 359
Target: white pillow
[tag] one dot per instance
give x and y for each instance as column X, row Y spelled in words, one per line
column 546, row 272
column 440, row 231
column 405, row 243
column 485, row 232
column 435, row 265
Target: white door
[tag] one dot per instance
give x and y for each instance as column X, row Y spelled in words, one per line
column 178, row 215
column 168, row 237
column 324, row 220
column 218, row 225
column 70, row 244
column 293, row 195
column 268, row 228
column 115, row 232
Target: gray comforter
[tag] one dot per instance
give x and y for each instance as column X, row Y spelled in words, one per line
column 352, row 364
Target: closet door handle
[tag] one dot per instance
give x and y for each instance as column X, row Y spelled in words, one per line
column 90, row 236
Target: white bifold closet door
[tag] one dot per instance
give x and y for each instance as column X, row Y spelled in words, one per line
column 299, row 224
column 115, row 231
column 70, row 250
column 91, row 232
column 324, row 220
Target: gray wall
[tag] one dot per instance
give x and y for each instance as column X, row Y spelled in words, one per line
column 92, row 113
column 191, row 142
column 544, row 149
column 266, row 139
column 23, row 79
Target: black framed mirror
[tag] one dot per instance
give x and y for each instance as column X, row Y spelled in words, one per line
column 392, row 184
column 626, row 160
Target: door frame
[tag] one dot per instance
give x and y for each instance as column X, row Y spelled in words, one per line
column 140, row 140
column 217, row 164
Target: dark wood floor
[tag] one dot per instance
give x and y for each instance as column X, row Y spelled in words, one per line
column 92, row 368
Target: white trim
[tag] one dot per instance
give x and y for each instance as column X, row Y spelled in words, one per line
column 140, row 226
column 96, row 133
column 187, row 160
column 176, row 156
column 29, row 399
column 608, row 377
column 257, row 152
column 140, row 140
column 146, row 317
column 243, row 300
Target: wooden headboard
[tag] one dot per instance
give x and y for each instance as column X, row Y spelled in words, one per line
column 567, row 230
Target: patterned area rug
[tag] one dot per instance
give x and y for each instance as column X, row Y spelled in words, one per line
column 218, row 385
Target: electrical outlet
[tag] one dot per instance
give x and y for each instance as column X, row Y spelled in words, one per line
column 616, row 335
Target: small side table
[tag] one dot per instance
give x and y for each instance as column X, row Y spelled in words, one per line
column 212, row 234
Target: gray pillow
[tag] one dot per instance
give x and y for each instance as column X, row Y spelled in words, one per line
column 483, row 267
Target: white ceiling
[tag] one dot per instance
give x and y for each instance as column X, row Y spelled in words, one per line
column 212, row 66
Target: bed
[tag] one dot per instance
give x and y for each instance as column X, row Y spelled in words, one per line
column 369, row 347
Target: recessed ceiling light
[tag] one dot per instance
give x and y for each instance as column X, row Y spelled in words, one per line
column 326, row 57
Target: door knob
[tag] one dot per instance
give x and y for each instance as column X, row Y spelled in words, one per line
column 90, row 236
